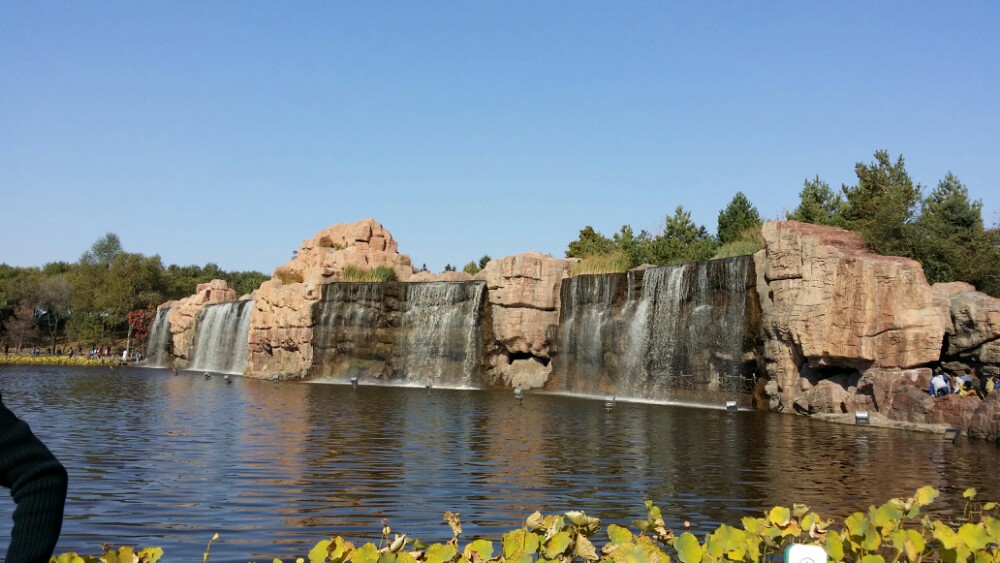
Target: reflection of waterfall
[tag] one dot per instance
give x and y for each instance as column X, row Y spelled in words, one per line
column 410, row 333
column 221, row 338
column 676, row 332
column 158, row 342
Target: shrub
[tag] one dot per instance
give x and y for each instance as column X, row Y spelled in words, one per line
column 471, row 268
column 326, row 242
column 358, row 274
column 613, row 262
column 287, row 275
column 751, row 240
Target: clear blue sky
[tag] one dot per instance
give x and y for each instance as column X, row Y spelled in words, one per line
column 228, row 132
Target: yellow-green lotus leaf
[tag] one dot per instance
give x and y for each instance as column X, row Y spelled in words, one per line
column 618, row 534
column 989, row 506
column 483, row 547
column 150, row 554
column 856, row 524
column 873, row 558
column 835, row 547
column 753, row 525
column 779, row 516
column 367, row 553
column 926, row 495
column 520, row 541
column 969, row 493
column 872, row 540
column 319, row 552
column 68, row 557
column 688, row 548
column 973, row 536
column 886, row 516
column 799, row 510
column 992, row 528
column 439, row 553
column 556, row 545
column 915, row 544
column 652, row 552
column 944, row 534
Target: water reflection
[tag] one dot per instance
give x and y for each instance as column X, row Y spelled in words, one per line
column 157, row 459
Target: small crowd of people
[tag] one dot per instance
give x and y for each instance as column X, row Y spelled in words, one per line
column 96, row 353
column 967, row 384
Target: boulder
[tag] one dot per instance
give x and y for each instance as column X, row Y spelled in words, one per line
column 524, row 298
column 829, row 302
column 975, row 320
column 365, row 244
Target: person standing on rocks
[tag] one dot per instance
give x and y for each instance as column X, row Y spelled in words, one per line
column 37, row 483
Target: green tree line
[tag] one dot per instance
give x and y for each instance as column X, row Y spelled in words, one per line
column 89, row 300
column 943, row 230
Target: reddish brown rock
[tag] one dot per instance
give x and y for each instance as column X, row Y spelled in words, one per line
column 281, row 329
column 524, row 297
column 827, row 301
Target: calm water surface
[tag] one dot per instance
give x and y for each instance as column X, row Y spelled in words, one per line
column 162, row 460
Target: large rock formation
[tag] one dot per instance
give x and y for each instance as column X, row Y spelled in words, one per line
column 184, row 313
column 831, row 306
column 281, row 328
column 973, row 336
column 524, row 297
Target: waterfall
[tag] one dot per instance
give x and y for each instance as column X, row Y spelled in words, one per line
column 221, row 338
column 440, row 333
column 404, row 333
column 669, row 333
column 158, row 342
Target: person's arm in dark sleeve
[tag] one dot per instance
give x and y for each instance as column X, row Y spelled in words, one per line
column 37, row 483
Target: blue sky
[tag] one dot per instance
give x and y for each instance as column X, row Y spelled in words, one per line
column 228, row 132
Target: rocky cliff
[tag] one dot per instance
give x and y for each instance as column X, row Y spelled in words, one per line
column 281, row 329
column 845, row 329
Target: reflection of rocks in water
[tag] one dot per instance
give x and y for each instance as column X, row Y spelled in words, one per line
column 684, row 332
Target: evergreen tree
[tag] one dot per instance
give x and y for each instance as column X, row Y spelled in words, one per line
column 882, row 205
column 682, row 240
column 950, row 238
column 589, row 243
column 818, row 204
column 736, row 219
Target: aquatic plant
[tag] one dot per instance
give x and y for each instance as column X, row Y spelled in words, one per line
column 897, row 530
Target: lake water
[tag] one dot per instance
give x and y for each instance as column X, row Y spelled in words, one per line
column 162, row 460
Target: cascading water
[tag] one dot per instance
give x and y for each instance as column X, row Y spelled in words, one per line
column 670, row 333
column 405, row 333
column 158, row 342
column 221, row 338
column 440, row 330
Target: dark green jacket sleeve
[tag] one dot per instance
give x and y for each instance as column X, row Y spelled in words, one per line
column 37, row 483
